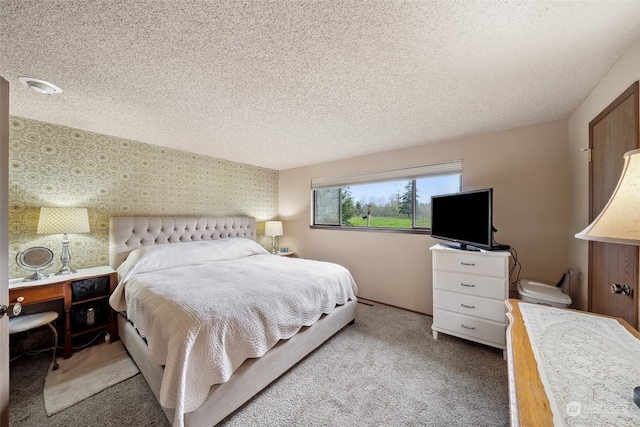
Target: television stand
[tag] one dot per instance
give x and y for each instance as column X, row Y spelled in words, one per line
column 461, row 247
column 469, row 290
column 497, row 247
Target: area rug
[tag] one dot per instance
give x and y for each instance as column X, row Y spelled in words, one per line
column 85, row 374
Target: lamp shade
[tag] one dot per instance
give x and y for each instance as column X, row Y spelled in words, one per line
column 619, row 221
column 273, row 228
column 63, row 221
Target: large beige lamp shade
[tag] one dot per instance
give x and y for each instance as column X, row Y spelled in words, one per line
column 619, row 221
column 63, row 221
column 273, row 229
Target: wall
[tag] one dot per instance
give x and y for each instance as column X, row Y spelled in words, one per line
column 527, row 167
column 52, row 165
column 617, row 80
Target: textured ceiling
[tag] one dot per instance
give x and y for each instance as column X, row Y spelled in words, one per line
column 282, row 84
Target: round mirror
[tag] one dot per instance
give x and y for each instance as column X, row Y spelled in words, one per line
column 34, row 259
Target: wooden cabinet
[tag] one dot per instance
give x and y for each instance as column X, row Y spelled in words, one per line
column 469, row 290
column 90, row 310
column 593, row 383
column 86, row 301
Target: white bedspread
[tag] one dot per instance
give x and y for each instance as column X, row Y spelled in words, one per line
column 205, row 307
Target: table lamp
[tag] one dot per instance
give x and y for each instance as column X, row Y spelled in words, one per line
column 619, row 221
column 63, row 221
column 273, row 229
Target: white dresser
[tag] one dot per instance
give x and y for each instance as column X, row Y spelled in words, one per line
column 469, row 293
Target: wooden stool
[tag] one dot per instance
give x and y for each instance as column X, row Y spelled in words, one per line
column 31, row 321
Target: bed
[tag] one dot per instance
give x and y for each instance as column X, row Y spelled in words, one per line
column 176, row 273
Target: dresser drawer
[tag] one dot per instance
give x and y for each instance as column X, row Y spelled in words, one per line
column 491, row 309
column 483, row 286
column 470, row 327
column 471, row 263
column 35, row 294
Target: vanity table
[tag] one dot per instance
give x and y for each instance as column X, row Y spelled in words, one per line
column 61, row 287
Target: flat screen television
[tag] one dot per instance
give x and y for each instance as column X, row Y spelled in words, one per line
column 465, row 219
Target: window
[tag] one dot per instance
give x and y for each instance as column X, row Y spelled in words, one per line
column 396, row 199
column 327, row 206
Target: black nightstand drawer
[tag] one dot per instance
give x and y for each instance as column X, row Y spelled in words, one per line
column 89, row 288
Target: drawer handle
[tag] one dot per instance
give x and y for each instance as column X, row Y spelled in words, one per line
column 470, row 264
column 467, row 327
column 20, row 299
column 17, row 309
column 468, row 306
column 468, row 285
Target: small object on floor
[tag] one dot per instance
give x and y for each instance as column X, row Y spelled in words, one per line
column 636, row 396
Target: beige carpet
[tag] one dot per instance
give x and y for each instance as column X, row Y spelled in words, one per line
column 385, row 370
column 86, row 373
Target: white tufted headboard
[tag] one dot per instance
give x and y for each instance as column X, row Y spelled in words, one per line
column 129, row 233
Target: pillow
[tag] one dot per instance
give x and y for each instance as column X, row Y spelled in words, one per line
column 171, row 255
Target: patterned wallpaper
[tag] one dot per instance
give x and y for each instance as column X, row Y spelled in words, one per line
column 51, row 165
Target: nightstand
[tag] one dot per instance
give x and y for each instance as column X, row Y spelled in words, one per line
column 287, row 254
column 86, row 300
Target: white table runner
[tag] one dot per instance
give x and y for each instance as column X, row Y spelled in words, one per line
column 589, row 366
